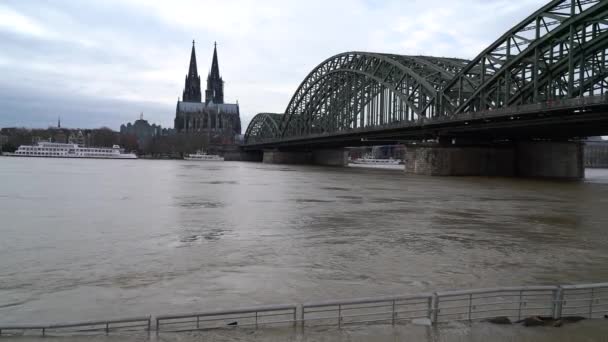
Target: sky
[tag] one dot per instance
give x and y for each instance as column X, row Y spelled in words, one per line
column 101, row 63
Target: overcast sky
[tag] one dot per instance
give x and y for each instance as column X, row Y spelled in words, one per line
column 102, row 62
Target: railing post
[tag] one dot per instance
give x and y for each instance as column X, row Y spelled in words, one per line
column 157, row 325
column 519, row 307
column 198, row 322
column 435, row 310
column 591, row 303
column 149, row 323
column 107, row 328
column 393, row 316
column 302, row 313
column 256, row 319
column 43, row 332
column 339, row 315
column 295, row 316
column 558, row 299
column 470, row 305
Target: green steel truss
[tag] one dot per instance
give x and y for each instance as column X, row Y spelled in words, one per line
column 558, row 52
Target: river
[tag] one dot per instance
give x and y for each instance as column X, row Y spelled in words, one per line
column 92, row 239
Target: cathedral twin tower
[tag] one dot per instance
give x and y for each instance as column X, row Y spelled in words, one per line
column 212, row 117
column 215, row 84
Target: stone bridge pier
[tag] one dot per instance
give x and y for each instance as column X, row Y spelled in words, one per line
column 542, row 159
column 328, row 157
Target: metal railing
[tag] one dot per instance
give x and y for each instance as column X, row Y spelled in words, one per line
column 254, row 316
column 382, row 309
column 516, row 303
column 589, row 300
column 116, row 325
column 512, row 302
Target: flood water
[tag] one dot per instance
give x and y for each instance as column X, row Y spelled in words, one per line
column 92, row 239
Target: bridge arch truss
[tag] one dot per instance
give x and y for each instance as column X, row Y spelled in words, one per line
column 558, row 52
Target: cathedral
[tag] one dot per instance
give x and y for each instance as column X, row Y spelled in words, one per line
column 217, row 120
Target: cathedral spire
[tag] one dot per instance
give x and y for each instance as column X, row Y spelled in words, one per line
column 215, row 68
column 192, row 71
column 192, row 88
column 215, row 84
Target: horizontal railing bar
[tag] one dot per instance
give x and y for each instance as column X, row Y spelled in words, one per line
column 326, row 310
column 495, row 295
column 410, row 317
column 584, row 286
column 228, row 312
column 497, row 289
column 367, row 321
column 366, row 307
column 77, row 324
column 453, row 307
column 103, row 327
column 74, row 324
column 581, row 306
column 407, row 311
column 321, row 318
column 216, row 319
column 482, row 311
column 478, row 300
column 23, row 327
column 497, row 303
column 366, row 300
column 586, row 312
column 583, row 299
column 240, row 317
column 229, row 326
column 175, row 322
column 526, row 308
column 368, row 314
column 586, row 290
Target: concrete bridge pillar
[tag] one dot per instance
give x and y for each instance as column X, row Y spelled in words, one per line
column 524, row 159
column 250, row 156
column 328, row 157
column 287, row 157
column 549, row 159
column 335, row 157
column 460, row 161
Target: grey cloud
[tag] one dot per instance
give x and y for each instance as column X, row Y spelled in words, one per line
column 104, row 61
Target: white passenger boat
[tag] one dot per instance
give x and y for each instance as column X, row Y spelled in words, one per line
column 59, row 150
column 368, row 160
column 203, row 156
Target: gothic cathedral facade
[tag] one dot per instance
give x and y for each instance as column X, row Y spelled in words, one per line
column 219, row 121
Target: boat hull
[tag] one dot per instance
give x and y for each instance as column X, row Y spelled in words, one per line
column 206, row 160
column 125, row 156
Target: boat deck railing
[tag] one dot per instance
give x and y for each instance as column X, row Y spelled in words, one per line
column 515, row 303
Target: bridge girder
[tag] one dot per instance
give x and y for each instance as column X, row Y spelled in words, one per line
column 558, row 52
column 524, row 55
column 263, row 126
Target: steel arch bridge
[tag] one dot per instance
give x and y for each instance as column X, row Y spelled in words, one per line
column 554, row 60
